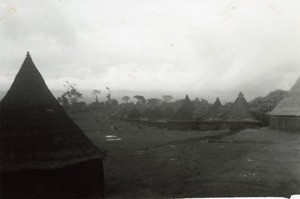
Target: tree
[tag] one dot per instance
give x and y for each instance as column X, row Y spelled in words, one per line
column 63, row 101
column 153, row 102
column 167, row 98
column 114, row 102
column 260, row 106
column 126, row 99
column 108, row 95
column 96, row 93
column 72, row 95
column 140, row 99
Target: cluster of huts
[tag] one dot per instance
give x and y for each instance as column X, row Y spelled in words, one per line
column 42, row 151
column 237, row 117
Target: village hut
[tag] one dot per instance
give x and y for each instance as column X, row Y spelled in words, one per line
column 286, row 115
column 155, row 114
column 213, row 112
column 185, row 111
column 168, row 113
column 239, row 116
column 183, row 119
column 134, row 114
column 42, row 151
column 211, row 119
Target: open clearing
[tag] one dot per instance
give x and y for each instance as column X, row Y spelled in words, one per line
column 148, row 162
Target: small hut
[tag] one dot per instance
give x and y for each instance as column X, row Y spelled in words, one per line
column 211, row 119
column 185, row 111
column 239, row 116
column 213, row 112
column 183, row 119
column 42, row 151
column 134, row 114
column 286, row 115
column 168, row 113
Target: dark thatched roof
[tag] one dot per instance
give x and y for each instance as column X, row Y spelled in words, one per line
column 213, row 112
column 290, row 104
column 35, row 131
column 185, row 111
column 239, row 110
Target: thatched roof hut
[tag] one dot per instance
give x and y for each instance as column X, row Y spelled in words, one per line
column 239, row 110
column 40, row 144
column 185, row 111
column 152, row 113
column 134, row 114
column 214, row 111
column 168, row 113
column 286, row 114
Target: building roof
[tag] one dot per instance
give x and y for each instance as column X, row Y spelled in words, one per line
column 35, row 131
column 239, row 110
column 185, row 111
column 213, row 112
column 290, row 104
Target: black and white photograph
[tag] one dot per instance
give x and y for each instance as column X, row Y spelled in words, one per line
column 149, row 99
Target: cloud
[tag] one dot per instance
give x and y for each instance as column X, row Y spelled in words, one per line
column 197, row 46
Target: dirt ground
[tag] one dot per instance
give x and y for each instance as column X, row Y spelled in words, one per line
column 148, row 162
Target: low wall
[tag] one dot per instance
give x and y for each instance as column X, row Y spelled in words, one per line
column 160, row 125
column 183, row 125
column 231, row 125
column 286, row 123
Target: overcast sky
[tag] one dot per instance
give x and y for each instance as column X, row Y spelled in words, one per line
column 200, row 46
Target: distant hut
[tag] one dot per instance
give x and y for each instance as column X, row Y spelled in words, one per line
column 146, row 113
column 213, row 112
column 134, row 114
column 183, row 119
column 42, row 151
column 155, row 114
column 185, row 111
column 211, row 119
column 239, row 116
column 286, row 115
column 168, row 113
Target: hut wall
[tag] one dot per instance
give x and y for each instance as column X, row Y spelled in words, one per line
column 80, row 179
column 180, row 125
column 160, row 125
column 239, row 125
column 209, row 125
column 285, row 123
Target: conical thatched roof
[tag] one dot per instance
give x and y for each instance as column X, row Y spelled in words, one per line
column 213, row 112
column 35, row 131
column 290, row 104
column 185, row 111
column 239, row 110
column 134, row 114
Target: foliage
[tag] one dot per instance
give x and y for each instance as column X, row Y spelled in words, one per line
column 126, row 99
column 260, row 106
column 140, row 99
column 70, row 97
column 200, row 107
column 96, row 93
column 167, row 98
column 153, row 102
column 108, row 95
